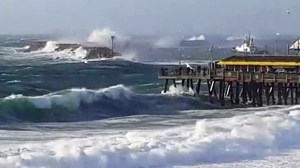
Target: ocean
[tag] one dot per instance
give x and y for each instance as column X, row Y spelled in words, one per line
column 60, row 111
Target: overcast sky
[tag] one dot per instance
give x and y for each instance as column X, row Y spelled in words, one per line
column 150, row 16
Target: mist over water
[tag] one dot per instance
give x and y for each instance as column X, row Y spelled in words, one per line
column 140, row 17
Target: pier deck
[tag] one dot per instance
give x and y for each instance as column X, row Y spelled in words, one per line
column 259, row 79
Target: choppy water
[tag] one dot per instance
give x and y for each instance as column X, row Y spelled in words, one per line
column 58, row 112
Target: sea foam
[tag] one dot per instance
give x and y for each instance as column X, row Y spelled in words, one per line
column 233, row 139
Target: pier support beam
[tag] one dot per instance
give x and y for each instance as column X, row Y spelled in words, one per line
column 166, row 85
column 292, row 93
column 273, row 93
column 279, row 94
column 209, row 90
column 182, row 82
column 253, row 93
column 267, row 93
column 297, row 93
column 285, row 93
column 230, row 92
column 188, row 84
column 260, row 94
column 192, row 84
column 237, row 93
column 244, row 93
column 198, row 87
column 213, row 89
column 249, row 91
column 222, row 92
column 174, row 83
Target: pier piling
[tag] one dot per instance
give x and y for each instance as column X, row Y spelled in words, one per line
column 260, row 80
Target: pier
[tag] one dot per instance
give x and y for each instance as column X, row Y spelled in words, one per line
column 251, row 79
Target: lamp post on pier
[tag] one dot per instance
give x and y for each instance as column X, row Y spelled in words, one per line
column 180, row 55
column 276, row 43
column 211, row 54
column 112, row 44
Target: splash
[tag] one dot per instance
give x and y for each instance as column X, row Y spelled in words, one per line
column 165, row 42
column 102, row 37
column 25, row 47
column 50, row 46
column 179, row 90
column 129, row 56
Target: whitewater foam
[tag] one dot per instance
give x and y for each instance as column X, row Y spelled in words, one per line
column 78, row 54
column 73, row 55
column 179, row 90
column 13, row 81
column 216, row 141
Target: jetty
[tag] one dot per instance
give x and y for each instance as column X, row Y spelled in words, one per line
column 242, row 79
column 93, row 51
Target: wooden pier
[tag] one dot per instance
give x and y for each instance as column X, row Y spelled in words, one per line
column 255, row 80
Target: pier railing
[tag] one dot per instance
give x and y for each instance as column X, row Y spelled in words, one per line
column 220, row 74
column 184, row 73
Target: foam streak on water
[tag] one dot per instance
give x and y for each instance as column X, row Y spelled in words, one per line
column 218, row 141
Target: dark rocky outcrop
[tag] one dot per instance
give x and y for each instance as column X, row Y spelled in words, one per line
column 93, row 52
column 34, row 45
column 99, row 52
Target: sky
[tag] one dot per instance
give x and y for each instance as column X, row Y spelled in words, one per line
column 150, row 16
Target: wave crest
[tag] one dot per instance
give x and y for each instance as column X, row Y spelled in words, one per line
column 84, row 104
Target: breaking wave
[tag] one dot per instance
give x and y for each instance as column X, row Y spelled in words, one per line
column 245, row 137
column 50, row 46
column 84, row 104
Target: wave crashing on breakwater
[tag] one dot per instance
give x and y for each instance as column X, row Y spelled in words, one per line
column 79, row 50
